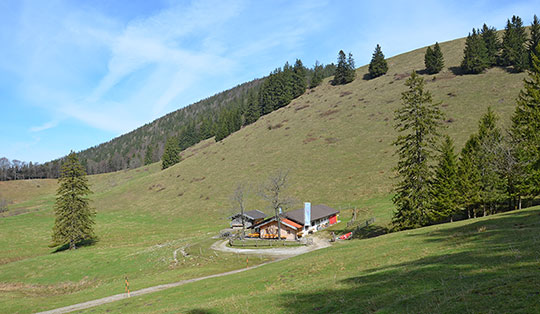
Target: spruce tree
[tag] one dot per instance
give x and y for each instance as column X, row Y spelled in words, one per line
column 491, row 42
column 445, row 184
column 171, row 154
column 149, row 155
column 253, row 112
column 433, row 59
column 535, row 40
column 74, row 218
column 525, row 130
column 351, row 69
column 488, row 138
column 341, row 75
column 469, row 177
column 378, row 65
column 417, row 122
column 514, row 52
column 317, row 76
column 475, row 57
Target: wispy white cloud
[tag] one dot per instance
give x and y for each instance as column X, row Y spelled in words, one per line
column 45, row 126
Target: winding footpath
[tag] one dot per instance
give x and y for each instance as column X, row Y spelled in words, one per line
column 282, row 253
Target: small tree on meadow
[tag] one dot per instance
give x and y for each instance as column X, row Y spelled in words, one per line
column 475, row 57
column 345, row 69
column 491, row 42
column 74, row 218
column 514, row 53
column 171, row 155
column 433, row 59
column 378, row 65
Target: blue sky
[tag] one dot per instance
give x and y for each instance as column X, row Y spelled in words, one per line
column 74, row 74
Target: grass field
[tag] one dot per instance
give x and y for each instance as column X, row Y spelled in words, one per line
column 484, row 265
column 336, row 141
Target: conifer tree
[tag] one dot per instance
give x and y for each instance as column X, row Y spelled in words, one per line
column 535, row 39
column 475, row 57
column 491, row 183
column 514, row 52
column 298, row 77
column 171, row 154
column 317, row 76
column 491, row 42
column 433, row 59
column 351, row 69
column 445, row 184
column 74, row 218
column 525, row 130
column 469, row 177
column 341, row 76
column 253, row 112
column 417, row 122
column 149, row 155
column 378, row 65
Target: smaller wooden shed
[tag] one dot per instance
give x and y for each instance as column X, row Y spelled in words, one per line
column 251, row 218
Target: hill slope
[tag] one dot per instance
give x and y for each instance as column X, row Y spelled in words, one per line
column 336, row 141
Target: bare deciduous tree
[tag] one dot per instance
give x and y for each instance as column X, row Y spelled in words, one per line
column 238, row 202
column 273, row 192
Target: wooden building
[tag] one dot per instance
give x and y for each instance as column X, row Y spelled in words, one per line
column 251, row 218
column 268, row 229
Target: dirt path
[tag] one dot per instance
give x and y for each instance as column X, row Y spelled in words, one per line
column 318, row 243
column 283, row 253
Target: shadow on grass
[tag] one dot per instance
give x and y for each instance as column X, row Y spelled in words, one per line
column 82, row 243
column 488, row 266
column 370, row 231
column 200, row 311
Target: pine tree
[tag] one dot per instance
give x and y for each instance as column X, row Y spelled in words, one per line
column 149, row 155
column 351, row 69
column 417, row 122
column 74, row 218
column 514, row 52
column 491, row 42
column 445, row 184
column 378, row 65
column 535, row 39
column 475, row 57
column 171, row 155
column 341, row 75
column 317, row 76
column 433, row 59
column 469, row 177
column 491, row 183
column 253, row 112
column 525, row 130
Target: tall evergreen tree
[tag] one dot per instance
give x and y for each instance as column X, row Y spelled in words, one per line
column 253, row 111
column 317, row 76
column 491, row 183
column 535, row 40
column 74, row 218
column 417, row 122
column 433, row 59
column 475, row 57
column 149, row 155
column 378, row 65
column 469, row 177
column 491, row 42
column 171, row 154
column 343, row 69
column 445, row 184
column 525, row 130
column 514, row 52
column 351, row 69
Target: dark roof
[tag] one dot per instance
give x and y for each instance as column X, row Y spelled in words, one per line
column 252, row 214
column 317, row 212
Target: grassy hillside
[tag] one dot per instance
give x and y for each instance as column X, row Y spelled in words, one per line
column 336, row 141
column 486, row 265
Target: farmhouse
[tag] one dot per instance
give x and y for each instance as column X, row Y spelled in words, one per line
column 297, row 222
column 251, row 218
column 313, row 218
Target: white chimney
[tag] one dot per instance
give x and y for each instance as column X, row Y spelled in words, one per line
column 307, row 214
